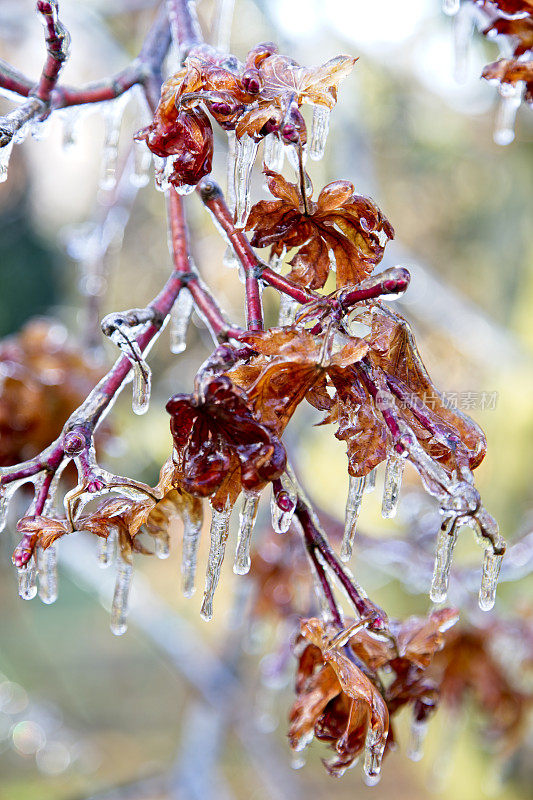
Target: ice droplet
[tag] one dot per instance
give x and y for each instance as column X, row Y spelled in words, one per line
column 162, row 545
column 119, row 607
column 179, row 321
column 319, row 132
column 451, row 7
column 273, row 153
column 142, row 379
column 374, row 747
column 510, row 100
column 247, row 517
column 492, row 564
column 112, row 121
column 47, row 564
column 353, row 506
column 281, row 518
column 5, row 154
column 244, row 160
column 443, row 560
column 463, row 29
column 106, row 548
column 191, row 538
column 393, row 484
column 417, row 737
column 27, row 577
column 142, row 159
column 219, row 535
column 370, row 483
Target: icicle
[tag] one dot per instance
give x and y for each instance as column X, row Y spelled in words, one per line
column 70, row 126
column 191, row 538
column 273, row 153
column 393, row 484
column 106, row 549
column 219, row 535
column 443, row 560
column 48, row 575
column 281, row 518
column 288, row 310
column 113, row 119
column 463, row 29
column 142, row 374
column 5, row 154
column 179, row 321
column 319, row 132
column 142, row 158
column 370, row 483
column 353, row 507
column 230, row 171
column 119, row 608
column 244, row 161
column 374, row 747
column 6, row 493
column 510, row 99
column 162, row 545
column 247, row 518
column 451, row 7
column 489, row 580
column 419, row 729
column 28, row 580
column 224, row 18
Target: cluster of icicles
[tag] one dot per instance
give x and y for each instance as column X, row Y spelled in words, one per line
column 468, row 18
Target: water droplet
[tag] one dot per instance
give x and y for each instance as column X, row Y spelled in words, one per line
column 179, row 321
column 247, row 519
column 219, row 535
column 319, row 132
column 393, row 484
column 353, row 506
column 282, row 517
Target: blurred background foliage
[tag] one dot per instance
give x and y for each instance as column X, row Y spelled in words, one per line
column 123, row 712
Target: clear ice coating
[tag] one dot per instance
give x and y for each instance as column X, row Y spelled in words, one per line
column 219, row 535
column 162, row 545
column 119, row 607
column 443, row 560
column 112, row 121
column 27, row 577
column 418, row 733
column 142, row 159
column 281, row 520
column 451, row 7
column 510, row 99
column 393, row 484
column 191, row 539
column 492, row 564
column 5, row 154
column 106, row 549
column 142, row 374
column 319, row 132
column 273, row 153
column 356, row 488
column 179, row 321
column 47, row 564
column 288, row 310
column 246, row 151
column 164, row 167
column 247, row 517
